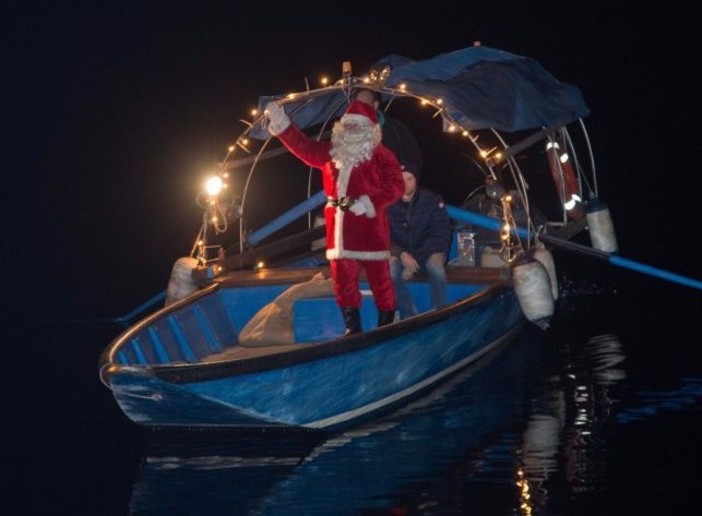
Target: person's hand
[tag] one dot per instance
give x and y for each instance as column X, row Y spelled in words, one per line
column 279, row 121
column 410, row 267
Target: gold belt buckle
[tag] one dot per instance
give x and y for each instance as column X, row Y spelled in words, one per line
column 343, row 204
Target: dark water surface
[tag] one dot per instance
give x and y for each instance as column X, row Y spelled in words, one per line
column 601, row 414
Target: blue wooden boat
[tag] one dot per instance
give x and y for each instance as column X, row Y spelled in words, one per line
column 250, row 334
column 185, row 366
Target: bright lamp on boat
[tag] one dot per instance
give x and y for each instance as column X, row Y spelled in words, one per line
column 213, row 186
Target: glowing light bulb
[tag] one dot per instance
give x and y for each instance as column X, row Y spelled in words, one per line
column 213, row 186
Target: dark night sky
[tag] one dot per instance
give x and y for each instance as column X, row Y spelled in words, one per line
column 115, row 108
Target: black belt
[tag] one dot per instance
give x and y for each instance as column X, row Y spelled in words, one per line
column 343, row 203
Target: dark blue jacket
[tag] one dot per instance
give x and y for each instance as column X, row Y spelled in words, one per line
column 420, row 227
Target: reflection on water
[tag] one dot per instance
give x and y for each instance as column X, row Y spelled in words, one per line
column 685, row 397
column 567, row 428
column 522, row 432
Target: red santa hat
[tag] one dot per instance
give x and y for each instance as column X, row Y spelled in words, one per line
column 360, row 112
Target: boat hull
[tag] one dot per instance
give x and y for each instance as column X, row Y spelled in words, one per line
column 326, row 385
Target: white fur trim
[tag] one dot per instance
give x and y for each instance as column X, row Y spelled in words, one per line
column 338, row 230
column 338, row 251
column 342, row 182
column 370, row 209
column 357, row 118
column 335, row 254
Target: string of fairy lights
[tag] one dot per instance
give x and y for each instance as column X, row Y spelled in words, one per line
column 216, row 195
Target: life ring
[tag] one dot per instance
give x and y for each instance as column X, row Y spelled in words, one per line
column 565, row 180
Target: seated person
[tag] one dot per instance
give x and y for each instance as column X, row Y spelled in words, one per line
column 420, row 235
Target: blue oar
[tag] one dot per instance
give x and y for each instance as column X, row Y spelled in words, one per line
column 126, row 319
column 495, row 224
column 479, row 220
column 458, row 214
column 286, row 218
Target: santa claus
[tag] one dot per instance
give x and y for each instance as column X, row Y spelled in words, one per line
column 361, row 178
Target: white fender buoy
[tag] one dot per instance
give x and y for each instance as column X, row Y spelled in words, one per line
column 533, row 288
column 545, row 256
column 181, row 283
column 600, row 226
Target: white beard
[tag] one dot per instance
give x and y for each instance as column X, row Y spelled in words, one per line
column 353, row 143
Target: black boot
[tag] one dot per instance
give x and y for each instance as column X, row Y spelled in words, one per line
column 385, row 317
column 352, row 320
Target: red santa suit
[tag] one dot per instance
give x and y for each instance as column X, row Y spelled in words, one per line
column 361, row 179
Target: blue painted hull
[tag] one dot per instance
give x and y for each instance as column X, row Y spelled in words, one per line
column 324, row 385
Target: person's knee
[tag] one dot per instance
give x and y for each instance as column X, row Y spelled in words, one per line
column 435, row 265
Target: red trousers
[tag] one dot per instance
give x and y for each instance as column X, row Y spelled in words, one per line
column 345, row 274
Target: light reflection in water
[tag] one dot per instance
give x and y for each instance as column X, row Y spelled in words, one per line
column 521, row 431
column 563, row 428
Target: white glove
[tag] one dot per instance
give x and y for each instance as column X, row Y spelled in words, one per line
column 363, row 206
column 358, row 208
column 279, row 121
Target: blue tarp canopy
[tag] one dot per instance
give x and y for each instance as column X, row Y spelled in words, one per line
column 481, row 88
